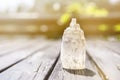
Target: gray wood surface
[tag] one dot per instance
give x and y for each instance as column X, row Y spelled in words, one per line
column 107, row 60
column 12, row 46
column 89, row 73
column 39, row 60
column 35, row 67
column 112, row 45
column 19, row 55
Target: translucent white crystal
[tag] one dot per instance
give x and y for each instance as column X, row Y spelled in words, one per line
column 73, row 50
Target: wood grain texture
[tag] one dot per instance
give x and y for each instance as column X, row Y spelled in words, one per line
column 105, row 59
column 89, row 73
column 112, row 45
column 35, row 67
column 17, row 56
column 15, row 45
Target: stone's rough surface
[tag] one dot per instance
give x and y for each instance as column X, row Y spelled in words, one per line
column 73, row 50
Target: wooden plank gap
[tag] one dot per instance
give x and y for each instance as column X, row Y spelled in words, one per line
column 101, row 73
column 32, row 53
column 52, row 68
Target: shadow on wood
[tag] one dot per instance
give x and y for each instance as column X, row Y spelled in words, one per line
column 84, row 72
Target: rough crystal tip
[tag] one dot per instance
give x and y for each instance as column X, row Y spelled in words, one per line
column 73, row 22
column 78, row 25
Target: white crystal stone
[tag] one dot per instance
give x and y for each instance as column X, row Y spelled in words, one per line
column 73, row 50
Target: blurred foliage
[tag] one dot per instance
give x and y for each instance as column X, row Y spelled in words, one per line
column 93, row 10
column 103, row 27
column 74, row 7
column 64, row 18
column 117, row 28
column 100, row 13
column 118, row 37
column 80, row 9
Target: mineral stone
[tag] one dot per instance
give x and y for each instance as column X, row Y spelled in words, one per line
column 73, row 47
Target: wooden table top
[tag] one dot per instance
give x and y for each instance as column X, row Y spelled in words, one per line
column 38, row 59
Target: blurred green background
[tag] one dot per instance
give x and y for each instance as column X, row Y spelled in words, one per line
column 49, row 18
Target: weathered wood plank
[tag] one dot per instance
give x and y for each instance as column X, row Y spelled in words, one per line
column 113, row 46
column 17, row 56
column 36, row 67
column 8, row 43
column 9, row 46
column 107, row 60
column 17, row 45
column 48, row 62
column 90, row 73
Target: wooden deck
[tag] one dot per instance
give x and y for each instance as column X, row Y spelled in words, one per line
column 38, row 59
